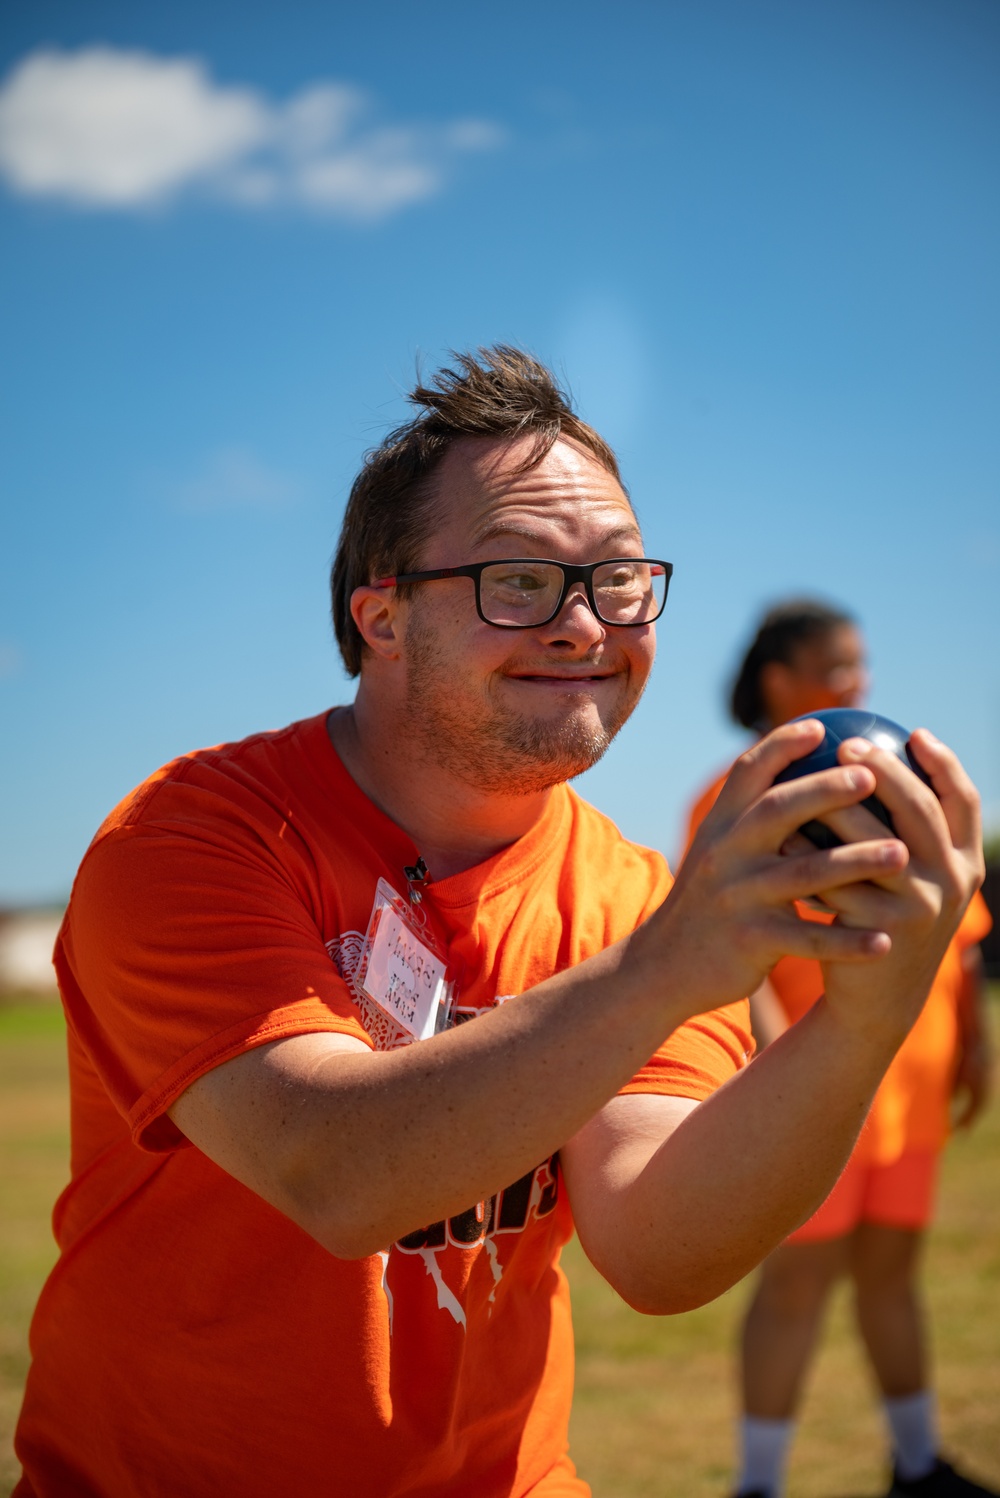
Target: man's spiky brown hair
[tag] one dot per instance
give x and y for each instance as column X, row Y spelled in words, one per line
column 498, row 392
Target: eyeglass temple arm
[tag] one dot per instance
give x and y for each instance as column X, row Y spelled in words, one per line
column 414, row 577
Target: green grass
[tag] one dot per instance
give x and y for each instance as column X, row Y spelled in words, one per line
column 30, row 1019
column 34, row 1151
column 655, row 1397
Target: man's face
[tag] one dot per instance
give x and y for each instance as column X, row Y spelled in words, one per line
column 517, row 711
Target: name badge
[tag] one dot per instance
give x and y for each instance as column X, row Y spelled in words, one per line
column 403, row 968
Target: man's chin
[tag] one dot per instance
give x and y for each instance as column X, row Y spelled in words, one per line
column 542, row 754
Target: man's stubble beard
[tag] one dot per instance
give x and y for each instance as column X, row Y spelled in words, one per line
column 498, row 751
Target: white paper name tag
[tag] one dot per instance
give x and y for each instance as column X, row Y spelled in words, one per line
column 400, row 971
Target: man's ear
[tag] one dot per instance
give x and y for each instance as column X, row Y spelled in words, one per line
column 376, row 613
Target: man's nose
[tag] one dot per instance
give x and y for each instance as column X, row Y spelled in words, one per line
column 575, row 622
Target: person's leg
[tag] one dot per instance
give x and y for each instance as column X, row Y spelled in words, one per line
column 779, row 1334
column 884, row 1265
column 885, row 1268
column 782, row 1323
column 780, row 1331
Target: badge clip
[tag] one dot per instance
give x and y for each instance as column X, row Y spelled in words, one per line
column 416, row 875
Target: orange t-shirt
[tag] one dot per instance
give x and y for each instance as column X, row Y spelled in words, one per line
column 910, row 1111
column 911, row 1107
column 191, row 1339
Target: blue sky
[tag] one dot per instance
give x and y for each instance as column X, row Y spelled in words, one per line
column 758, row 239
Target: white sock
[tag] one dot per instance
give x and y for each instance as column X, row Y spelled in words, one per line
column 912, row 1422
column 763, row 1450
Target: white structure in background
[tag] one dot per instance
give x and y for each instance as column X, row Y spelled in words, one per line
column 26, row 941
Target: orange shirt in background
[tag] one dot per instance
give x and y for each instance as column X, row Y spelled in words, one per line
column 193, row 1340
column 911, row 1108
column 910, row 1111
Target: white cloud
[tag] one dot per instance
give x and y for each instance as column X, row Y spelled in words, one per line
column 121, row 128
column 115, row 129
column 235, row 478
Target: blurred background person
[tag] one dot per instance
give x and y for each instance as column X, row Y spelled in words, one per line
column 806, row 656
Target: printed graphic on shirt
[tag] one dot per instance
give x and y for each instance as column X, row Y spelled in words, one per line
column 533, row 1196
column 529, row 1199
column 384, row 1032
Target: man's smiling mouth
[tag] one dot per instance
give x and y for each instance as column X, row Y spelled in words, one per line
column 559, row 678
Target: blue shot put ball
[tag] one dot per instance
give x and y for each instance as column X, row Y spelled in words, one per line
column 850, row 723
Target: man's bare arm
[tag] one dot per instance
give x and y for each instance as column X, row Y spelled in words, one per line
column 674, row 1202
column 360, row 1148
column 767, row 1017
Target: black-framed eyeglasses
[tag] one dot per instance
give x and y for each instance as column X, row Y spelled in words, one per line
column 525, row 592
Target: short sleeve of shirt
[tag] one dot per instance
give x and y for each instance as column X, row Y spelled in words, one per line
column 699, row 1056
column 190, row 946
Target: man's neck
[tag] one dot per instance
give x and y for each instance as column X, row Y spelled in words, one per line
column 453, row 825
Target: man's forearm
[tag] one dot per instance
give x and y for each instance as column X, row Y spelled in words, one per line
column 361, row 1147
column 736, row 1174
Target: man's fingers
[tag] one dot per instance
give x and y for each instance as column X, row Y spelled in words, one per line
column 755, row 770
column 915, row 810
column 817, row 873
column 795, row 937
column 855, row 823
column 777, row 813
column 886, row 894
column 930, row 831
column 863, row 907
column 955, row 791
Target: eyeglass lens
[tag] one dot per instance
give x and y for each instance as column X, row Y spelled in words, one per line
column 527, row 593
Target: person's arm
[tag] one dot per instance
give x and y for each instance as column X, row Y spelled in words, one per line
column 768, row 1019
column 360, row 1148
column 973, row 1075
column 674, row 1202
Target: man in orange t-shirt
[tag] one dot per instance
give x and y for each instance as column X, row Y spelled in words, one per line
column 364, row 1015
column 806, row 657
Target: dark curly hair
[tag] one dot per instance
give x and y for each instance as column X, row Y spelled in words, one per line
column 499, row 392
column 783, row 628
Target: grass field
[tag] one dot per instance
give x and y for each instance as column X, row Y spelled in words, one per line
column 654, row 1397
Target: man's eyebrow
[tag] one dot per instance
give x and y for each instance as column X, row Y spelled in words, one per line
column 493, row 530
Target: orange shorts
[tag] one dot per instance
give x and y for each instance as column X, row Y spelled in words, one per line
column 900, row 1195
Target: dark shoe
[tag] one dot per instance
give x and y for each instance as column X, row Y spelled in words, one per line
column 942, row 1481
